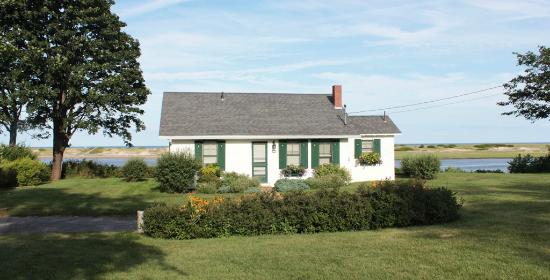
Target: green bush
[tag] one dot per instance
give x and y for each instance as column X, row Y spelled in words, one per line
column 293, row 171
column 431, row 147
column 89, row 169
column 134, row 170
column 8, row 178
column 11, row 153
column 451, row 169
column 331, row 169
column 369, row 159
column 176, row 172
column 403, row 149
column 326, row 182
column 529, row 164
column 286, row 185
column 29, row 172
column 232, row 182
column 488, row 171
column 421, row 166
column 303, row 212
column 208, row 187
column 210, row 173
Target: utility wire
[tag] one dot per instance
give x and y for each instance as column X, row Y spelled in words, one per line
column 444, row 104
column 429, row 101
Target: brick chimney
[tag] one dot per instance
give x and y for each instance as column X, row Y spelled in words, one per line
column 337, row 96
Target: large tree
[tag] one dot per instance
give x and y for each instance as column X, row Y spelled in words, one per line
column 16, row 80
column 88, row 69
column 529, row 92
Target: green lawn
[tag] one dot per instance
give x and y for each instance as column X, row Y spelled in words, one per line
column 504, row 233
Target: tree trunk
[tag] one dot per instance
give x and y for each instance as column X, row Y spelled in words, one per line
column 13, row 133
column 59, row 144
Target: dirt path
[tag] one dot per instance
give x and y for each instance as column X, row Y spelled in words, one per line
column 65, row 224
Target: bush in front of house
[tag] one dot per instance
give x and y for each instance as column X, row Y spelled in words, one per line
column 8, row 178
column 28, row 172
column 176, row 172
column 332, row 169
column 293, row 171
column 232, row 182
column 11, row 153
column 134, row 170
column 326, row 182
column 421, row 166
column 287, row 185
column 303, row 212
column 529, row 164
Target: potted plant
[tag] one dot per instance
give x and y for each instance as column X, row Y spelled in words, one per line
column 369, row 159
column 293, row 171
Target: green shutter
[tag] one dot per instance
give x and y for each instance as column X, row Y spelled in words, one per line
column 198, row 150
column 336, row 152
column 303, row 154
column 221, row 155
column 282, row 154
column 376, row 146
column 314, row 154
column 358, row 147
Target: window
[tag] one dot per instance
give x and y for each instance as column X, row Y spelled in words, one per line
column 325, row 153
column 293, row 154
column 209, row 153
column 366, row 146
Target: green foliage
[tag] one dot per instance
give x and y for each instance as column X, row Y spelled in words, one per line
column 431, row 147
column 369, row 159
column 529, row 92
column 210, row 173
column 421, row 146
column 208, row 187
column 303, row 212
column 529, row 164
column 10, row 153
column 403, row 148
column 8, row 178
column 451, row 169
column 232, row 182
column 293, row 171
column 488, row 171
column 330, row 169
column 421, row 166
column 89, row 169
column 176, row 172
column 134, row 170
column 332, row 181
column 286, row 185
column 488, row 146
column 29, row 172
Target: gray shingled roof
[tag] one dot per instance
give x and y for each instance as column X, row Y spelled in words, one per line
column 206, row 114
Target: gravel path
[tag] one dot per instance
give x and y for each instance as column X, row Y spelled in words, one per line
column 65, row 224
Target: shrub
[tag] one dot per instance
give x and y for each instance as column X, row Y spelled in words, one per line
column 89, row 169
column 422, row 166
column 369, row 159
column 529, row 164
column 134, row 170
column 208, row 187
column 8, row 178
column 293, row 171
column 431, row 147
column 488, row 171
column 29, row 172
column 302, row 212
column 326, row 182
column 11, row 153
column 176, row 172
column 232, row 182
column 330, row 169
column 403, row 149
column 421, row 146
column 451, row 169
column 286, row 185
column 210, row 173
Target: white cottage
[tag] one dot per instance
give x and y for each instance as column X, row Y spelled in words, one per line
column 259, row 134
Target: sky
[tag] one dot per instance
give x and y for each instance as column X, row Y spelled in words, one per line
column 382, row 54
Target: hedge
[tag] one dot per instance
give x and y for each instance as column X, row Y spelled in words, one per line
column 303, row 212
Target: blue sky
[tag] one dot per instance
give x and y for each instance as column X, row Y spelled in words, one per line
column 383, row 55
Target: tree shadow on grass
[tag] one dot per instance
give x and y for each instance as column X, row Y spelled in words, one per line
column 83, row 256
column 59, row 201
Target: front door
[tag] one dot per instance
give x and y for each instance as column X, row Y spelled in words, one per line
column 259, row 161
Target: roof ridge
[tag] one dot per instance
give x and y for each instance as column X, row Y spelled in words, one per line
column 229, row 92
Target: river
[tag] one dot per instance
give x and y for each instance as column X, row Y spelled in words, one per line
column 466, row 164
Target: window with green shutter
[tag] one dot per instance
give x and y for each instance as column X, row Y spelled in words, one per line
column 304, row 154
column 376, row 146
column 325, row 151
column 221, row 155
column 198, row 150
column 282, row 154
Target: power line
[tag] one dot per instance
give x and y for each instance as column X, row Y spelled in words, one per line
column 445, row 104
column 429, row 101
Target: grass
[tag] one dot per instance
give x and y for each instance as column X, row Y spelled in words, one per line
column 504, row 233
column 464, row 151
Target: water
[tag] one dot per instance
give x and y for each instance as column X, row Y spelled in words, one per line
column 473, row 164
column 466, row 164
